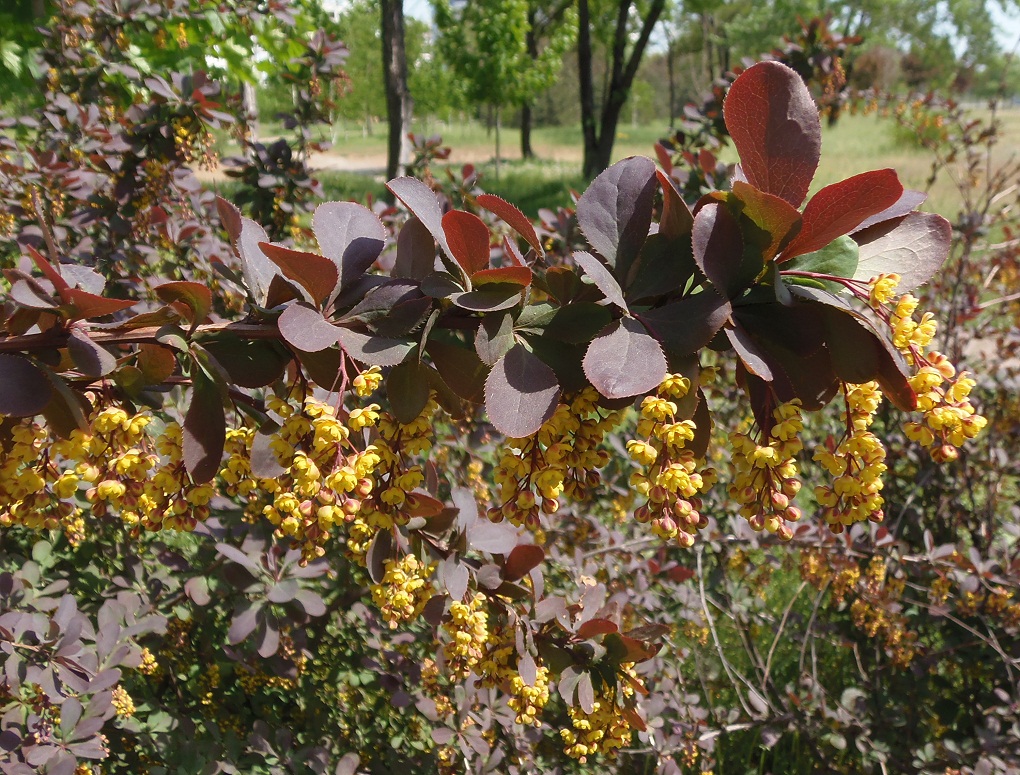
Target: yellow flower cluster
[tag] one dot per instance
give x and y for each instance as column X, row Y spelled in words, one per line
column 607, row 728
column 562, row 458
column 498, row 667
column 468, row 630
column 391, row 500
column 367, row 382
column 115, row 466
column 404, row 590
column 856, row 464
column 669, row 477
column 122, row 702
column 943, row 397
column 325, row 477
column 765, row 474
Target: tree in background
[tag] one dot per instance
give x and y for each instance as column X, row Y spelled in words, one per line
column 486, row 45
column 399, row 103
column 623, row 20
column 551, row 23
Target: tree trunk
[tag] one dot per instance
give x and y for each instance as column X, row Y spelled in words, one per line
column 671, row 76
column 399, row 105
column 250, row 107
column 497, row 111
column 598, row 143
column 527, row 152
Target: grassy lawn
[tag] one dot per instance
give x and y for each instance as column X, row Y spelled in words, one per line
column 856, row 144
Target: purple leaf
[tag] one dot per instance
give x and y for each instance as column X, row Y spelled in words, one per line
column 616, row 211
column 687, row 325
column 774, row 124
column 243, row 624
column 416, row 251
column 422, row 202
column 492, row 537
column 91, row 359
column 914, row 247
column 370, row 349
column 676, row 220
column 258, row 270
column 719, row 251
column 602, row 278
column 24, row 389
column 624, row 360
column 908, row 202
column 306, row 329
column 205, row 429
column 521, row 393
column 350, row 235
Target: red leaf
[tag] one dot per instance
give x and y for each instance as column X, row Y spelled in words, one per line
column 316, row 274
column 47, row 269
column 676, row 220
column 196, row 296
column 594, row 627
column 516, row 275
column 468, row 238
column 416, row 251
column 88, row 305
column 230, row 217
column 510, row 249
column 842, row 207
column 522, row 560
column 774, row 124
column 517, row 220
column 521, row 393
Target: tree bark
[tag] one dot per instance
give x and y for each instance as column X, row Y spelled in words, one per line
column 527, row 152
column 598, row 141
column 399, row 104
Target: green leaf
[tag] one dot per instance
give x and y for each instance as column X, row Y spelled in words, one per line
column 838, row 258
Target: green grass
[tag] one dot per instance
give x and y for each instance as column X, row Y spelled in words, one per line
column 856, row 144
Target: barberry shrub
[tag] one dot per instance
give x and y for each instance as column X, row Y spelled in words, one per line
column 435, row 438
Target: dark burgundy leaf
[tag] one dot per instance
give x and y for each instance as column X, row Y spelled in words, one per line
column 594, row 627
column 91, row 359
column 205, row 429
column 687, row 325
column 416, row 251
column 664, row 266
column 460, row 368
column 373, row 350
column 749, row 353
column 517, row 220
column 774, row 124
column 67, row 409
column 268, row 637
column 719, row 251
column 28, row 293
column 456, row 579
column 914, row 247
column 527, row 669
column 840, row 208
column 422, row 202
column 316, row 274
column 306, row 329
column 250, row 363
column 495, row 336
column 156, row 363
column 602, row 278
column 585, row 693
column 468, row 238
column 521, row 393
column 624, row 360
column 24, row 388
column 379, row 551
column 196, row 296
column 490, row 298
column 197, row 588
column 350, row 235
column 616, row 211
column 323, row 367
column 676, row 220
column 702, row 428
column 407, row 387
column 578, row 323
